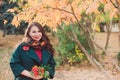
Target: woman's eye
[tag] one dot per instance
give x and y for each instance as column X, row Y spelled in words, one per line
column 39, row 31
column 33, row 32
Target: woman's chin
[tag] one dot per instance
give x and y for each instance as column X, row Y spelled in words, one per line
column 36, row 39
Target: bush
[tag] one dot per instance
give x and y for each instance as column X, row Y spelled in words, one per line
column 68, row 50
column 118, row 56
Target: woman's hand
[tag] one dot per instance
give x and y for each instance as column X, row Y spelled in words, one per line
column 28, row 74
column 37, row 77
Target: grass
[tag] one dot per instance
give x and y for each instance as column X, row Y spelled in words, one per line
column 7, row 44
column 5, row 72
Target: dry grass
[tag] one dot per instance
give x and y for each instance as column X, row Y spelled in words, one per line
column 7, row 44
column 5, row 72
column 9, row 40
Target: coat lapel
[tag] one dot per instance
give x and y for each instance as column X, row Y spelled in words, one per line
column 33, row 55
column 45, row 56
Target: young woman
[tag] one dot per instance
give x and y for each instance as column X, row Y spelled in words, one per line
column 35, row 50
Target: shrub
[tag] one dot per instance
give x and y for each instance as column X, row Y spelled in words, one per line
column 118, row 56
column 68, row 50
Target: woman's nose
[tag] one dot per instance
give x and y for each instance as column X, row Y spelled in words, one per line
column 38, row 34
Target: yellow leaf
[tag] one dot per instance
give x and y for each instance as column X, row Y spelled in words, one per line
column 11, row 10
column 5, row 21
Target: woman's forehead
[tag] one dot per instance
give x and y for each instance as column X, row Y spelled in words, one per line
column 34, row 28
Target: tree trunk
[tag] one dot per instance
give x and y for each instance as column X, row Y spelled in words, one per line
column 4, row 31
column 119, row 33
column 108, row 36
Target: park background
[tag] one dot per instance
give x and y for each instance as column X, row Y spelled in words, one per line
column 84, row 33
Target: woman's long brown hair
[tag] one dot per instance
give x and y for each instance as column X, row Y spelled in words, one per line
column 44, row 38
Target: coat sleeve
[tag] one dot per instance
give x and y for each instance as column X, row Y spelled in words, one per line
column 15, row 63
column 52, row 65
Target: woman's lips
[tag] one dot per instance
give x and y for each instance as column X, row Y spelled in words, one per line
column 36, row 37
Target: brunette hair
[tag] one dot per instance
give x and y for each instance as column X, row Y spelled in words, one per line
column 44, row 38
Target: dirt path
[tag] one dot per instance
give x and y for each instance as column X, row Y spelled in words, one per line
column 84, row 74
column 114, row 45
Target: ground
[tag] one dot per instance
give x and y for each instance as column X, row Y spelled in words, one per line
column 82, row 72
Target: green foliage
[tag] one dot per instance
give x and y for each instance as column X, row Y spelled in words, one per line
column 101, row 7
column 106, row 17
column 58, row 61
column 69, row 51
column 116, row 20
column 87, row 20
column 118, row 56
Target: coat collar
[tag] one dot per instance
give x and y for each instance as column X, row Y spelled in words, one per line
column 33, row 55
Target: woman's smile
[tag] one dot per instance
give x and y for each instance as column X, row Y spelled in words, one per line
column 37, row 38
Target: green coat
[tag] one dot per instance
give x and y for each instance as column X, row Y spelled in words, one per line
column 26, row 59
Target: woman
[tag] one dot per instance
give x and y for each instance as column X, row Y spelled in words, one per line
column 35, row 50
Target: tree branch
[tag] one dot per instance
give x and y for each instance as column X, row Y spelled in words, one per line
column 60, row 9
column 114, row 4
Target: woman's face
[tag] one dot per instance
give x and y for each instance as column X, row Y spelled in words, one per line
column 35, row 33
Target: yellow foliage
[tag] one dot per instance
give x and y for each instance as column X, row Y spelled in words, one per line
column 97, row 29
column 93, row 7
column 15, row 22
column 5, row 21
column 113, row 13
column 11, row 10
column 53, row 12
column 79, row 52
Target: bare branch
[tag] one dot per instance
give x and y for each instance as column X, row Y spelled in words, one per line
column 60, row 9
column 114, row 4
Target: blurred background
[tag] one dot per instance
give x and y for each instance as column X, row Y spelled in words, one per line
column 84, row 33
